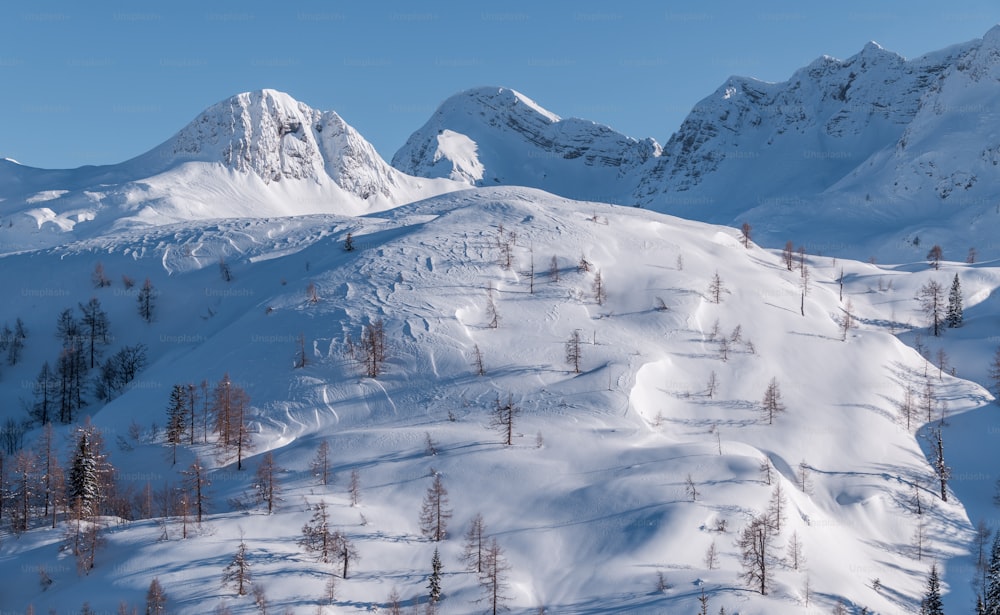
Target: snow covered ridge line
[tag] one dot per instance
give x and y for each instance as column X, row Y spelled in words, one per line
column 894, row 147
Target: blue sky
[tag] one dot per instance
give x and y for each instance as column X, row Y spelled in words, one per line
column 100, row 82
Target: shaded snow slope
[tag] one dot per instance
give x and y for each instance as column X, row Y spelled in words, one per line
column 589, row 503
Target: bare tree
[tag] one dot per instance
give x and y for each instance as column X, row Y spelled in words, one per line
column 573, row 352
column 755, row 554
column 600, row 294
column 237, row 573
column 788, row 255
column 492, row 315
column 477, row 360
column 156, row 598
column 320, row 464
column 344, row 551
column 745, row 229
column 503, row 417
column 941, row 469
column 765, row 470
column 690, row 489
column 804, row 289
column 847, row 320
column 772, row 405
column 98, row 277
column 711, row 557
column 266, row 484
column 554, row 269
column 804, row 478
column 907, row 407
column 474, row 547
column 434, row 514
column 354, row 487
column 197, row 482
column 493, row 578
column 531, row 270
column 371, row 352
column 931, row 298
column 584, row 265
column 934, row 257
column 712, row 386
column 795, row 557
column 775, row 515
column 317, row 537
column 716, row 288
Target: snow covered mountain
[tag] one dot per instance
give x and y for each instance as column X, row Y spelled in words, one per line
column 903, row 151
column 497, row 136
column 256, row 154
column 631, row 468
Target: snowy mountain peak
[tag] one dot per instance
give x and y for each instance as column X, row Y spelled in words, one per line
column 496, row 135
column 272, row 135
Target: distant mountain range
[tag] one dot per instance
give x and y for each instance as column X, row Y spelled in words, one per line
column 904, row 151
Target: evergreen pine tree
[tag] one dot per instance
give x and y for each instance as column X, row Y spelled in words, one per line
column 85, row 469
column 991, row 599
column 176, row 417
column 434, row 583
column 954, row 314
column 932, row 598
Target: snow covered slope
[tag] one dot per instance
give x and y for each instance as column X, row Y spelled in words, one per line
column 256, row 154
column 590, row 502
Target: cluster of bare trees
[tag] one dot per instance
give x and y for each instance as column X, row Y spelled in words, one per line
column 370, row 350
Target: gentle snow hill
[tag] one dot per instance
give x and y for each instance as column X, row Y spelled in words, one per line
column 589, row 503
column 256, row 154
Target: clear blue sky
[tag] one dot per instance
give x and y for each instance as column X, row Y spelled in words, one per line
column 100, row 82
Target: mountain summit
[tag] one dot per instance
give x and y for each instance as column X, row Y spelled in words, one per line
column 255, row 154
column 492, row 135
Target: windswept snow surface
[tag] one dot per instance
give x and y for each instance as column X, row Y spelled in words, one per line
column 589, row 502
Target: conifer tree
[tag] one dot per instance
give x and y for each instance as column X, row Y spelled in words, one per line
column 145, row 301
column 954, row 315
column 434, row 582
column 176, row 418
column 991, row 597
column 932, row 604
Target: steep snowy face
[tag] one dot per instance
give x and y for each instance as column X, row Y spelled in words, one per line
column 950, row 150
column 488, row 136
column 275, row 137
column 796, row 137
